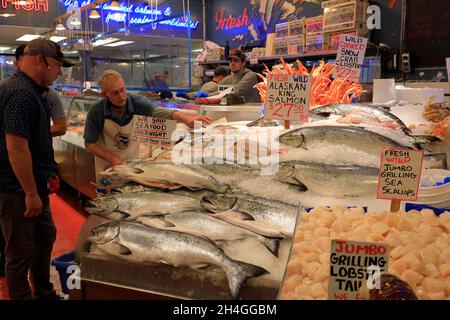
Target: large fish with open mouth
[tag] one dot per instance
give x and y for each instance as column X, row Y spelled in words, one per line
column 138, row 243
column 202, row 224
column 329, row 180
column 266, row 217
column 129, row 206
column 168, row 176
column 355, row 137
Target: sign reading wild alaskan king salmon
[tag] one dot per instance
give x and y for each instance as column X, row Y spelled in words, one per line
column 355, row 267
column 288, row 97
column 153, row 131
column 399, row 175
column 350, row 57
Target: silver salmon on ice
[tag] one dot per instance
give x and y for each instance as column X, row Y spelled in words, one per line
column 138, row 243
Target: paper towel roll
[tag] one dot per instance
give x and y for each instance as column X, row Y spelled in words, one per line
column 383, row 90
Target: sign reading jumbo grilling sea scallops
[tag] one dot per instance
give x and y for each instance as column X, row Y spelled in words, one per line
column 153, row 131
column 355, row 266
column 350, row 57
column 288, row 97
column 399, row 175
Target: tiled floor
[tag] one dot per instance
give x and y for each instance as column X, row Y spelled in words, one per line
column 68, row 216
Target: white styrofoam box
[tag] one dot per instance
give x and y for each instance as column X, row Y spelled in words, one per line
column 419, row 95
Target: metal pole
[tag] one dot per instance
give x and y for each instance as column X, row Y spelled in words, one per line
column 403, row 28
column 204, row 19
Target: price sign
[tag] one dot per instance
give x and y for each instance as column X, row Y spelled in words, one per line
column 350, row 57
column 355, row 266
column 399, row 176
column 288, row 97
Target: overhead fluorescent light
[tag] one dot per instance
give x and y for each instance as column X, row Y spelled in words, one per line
column 94, row 14
column 71, row 52
column 136, row 56
column 57, row 38
column 119, row 43
column 7, row 15
column 4, row 48
column 28, row 37
column 102, row 42
column 197, row 50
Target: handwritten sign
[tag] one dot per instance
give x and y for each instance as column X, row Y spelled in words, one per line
column 355, row 266
column 153, row 131
column 399, row 175
column 288, row 97
column 448, row 71
column 350, row 57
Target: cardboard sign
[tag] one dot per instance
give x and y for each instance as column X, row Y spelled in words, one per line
column 288, row 97
column 153, row 131
column 448, row 71
column 350, row 57
column 399, row 176
column 355, row 266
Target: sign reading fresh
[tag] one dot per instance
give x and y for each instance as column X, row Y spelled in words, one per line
column 153, row 131
column 355, row 266
column 288, row 97
column 399, row 174
column 138, row 14
column 350, row 57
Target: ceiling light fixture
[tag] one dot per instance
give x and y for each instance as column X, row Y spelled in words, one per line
column 74, row 21
column 115, row 5
column 4, row 48
column 28, row 37
column 119, row 43
column 94, row 14
column 60, row 27
column 57, row 38
column 104, row 41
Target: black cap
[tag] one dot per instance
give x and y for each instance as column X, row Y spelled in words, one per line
column 47, row 48
column 237, row 54
column 19, row 51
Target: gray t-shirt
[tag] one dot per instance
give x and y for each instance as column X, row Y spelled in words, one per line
column 210, row 87
column 55, row 104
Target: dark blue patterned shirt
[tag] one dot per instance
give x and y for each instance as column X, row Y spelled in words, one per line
column 25, row 112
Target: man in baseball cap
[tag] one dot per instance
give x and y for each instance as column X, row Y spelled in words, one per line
column 241, row 78
column 47, row 48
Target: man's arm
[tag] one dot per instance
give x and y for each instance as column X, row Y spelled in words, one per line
column 59, row 127
column 103, row 154
column 20, row 159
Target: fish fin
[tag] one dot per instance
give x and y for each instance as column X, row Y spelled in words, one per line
column 200, row 266
column 156, row 222
column 420, row 141
column 123, row 215
column 272, row 244
column 122, row 249
column 238, row 272
column 300, row 185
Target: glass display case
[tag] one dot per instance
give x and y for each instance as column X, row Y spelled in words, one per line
column 76, row 165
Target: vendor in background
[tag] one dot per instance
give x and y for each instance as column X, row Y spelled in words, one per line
column 242, row 79
column 110, row 121
column 57, row 114
column 209, row 87
column 160, row 81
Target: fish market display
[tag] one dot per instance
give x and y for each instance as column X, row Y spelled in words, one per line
column 329, row 180
column 419, row 244
column 204, row 225
column 143, row 244
column 363, row 113
column 129, row 206
column 323, row 89
column 355, row 137
column 270, row 218
column 168, row 176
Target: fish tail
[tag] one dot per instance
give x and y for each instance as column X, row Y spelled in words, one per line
column 272, row 244
column 238, row 272
column 420, row 141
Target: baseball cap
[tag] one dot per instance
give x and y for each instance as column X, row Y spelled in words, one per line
column 19, row 51
column 238, row 54
column 47, row 48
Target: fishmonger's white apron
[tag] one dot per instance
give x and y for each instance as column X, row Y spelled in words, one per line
column 117, row 140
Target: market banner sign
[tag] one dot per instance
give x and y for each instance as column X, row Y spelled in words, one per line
column 399, row 175
column 288, row 97
column 153, row 131
column 355, row 267
column 350, row 57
